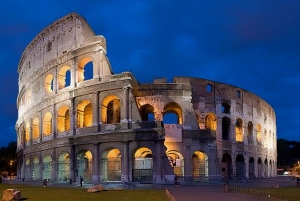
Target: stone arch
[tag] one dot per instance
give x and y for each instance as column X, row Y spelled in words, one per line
column 240, row 166
column 239, row 137
column 266, row 168
column 111, row 110
column 63, row 77
column 85, row 165
column 27, row 132
column 225, row 128
column 48, row 84
column 143, row 165
column 211, row 122
column 250, row 132
column 259, row 168
column 200, row 165
column 147, row 112
column 35, row 128
column 84, row 114
column 175, row 109
column 64, row 167
column 176, row 161
column 81, row 68
column 225, row 108
column 226, row 166
column 47, row 123
column 47, row 167
column 251, row 168
column 35, row 168
column 27, row 173
column 63, row 119
column 111, row 163
column 258, row 133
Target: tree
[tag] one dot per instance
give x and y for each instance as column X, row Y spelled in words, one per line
column 8, row 163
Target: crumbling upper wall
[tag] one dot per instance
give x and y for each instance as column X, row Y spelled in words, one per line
column 62, row 36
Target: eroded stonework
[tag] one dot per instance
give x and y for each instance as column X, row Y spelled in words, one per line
column 112, row 128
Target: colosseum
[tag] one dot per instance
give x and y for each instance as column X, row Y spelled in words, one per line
column 109, row 127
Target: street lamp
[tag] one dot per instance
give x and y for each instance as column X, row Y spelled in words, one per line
column 10, row 164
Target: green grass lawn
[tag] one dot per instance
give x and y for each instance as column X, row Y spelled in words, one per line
column 37, row 193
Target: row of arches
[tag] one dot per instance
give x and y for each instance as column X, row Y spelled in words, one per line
column 84, row 72
column 111, row 162
column 253, row 168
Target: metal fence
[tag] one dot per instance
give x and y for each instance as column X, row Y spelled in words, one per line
column 265, row 192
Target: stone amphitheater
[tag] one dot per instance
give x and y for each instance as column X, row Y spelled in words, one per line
column 111, row 128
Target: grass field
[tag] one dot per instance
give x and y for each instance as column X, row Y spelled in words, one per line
column 37, row 193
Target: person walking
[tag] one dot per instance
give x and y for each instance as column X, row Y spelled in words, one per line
column 80, row 180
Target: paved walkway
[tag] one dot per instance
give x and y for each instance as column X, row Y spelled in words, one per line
column 195, row 191
column 213, row 191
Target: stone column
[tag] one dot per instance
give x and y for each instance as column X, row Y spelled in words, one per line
column 247, row 166
column 125, row 108
column 157, row 164
column 74, row 79
column 54, row 122
column 41, row 166
column 54, row 166
column 96, row 64
column 41, row 126
column 125, row 163
column 96, row 163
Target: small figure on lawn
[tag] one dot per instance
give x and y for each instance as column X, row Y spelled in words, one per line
column 80, row 180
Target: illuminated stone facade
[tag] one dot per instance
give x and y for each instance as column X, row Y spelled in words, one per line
column 109, row 127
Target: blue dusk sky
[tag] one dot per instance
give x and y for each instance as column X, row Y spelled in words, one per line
column 253, row 44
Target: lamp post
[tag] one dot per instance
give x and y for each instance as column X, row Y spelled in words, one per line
column 10, row 164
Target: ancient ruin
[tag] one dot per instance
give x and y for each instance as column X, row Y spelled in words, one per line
column 109, row 127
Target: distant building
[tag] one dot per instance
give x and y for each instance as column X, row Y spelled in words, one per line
column 111, row 128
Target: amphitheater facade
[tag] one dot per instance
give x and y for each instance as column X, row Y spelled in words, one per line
column 109, row 127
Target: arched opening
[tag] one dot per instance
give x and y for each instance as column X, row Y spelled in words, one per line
column 265, row 139
column 225, row 108
column 47, row 124
column 47, row 167
column 84, row 114
column 200, row 165
column 111, row 110
column 27, row 132
column 48, row 84
column 170, row 118
column 27, row 173
column 225, row 128
column 239, row 137
column 63, row 167
column 250, row 132
column 270, row 169
column 85, row 69
column 266, row 168
column 35, row 168
column 176, row 161
column 111, row 165
column 259, row 168
column 147, row 112
column 251, row 168
column 63, row 119
column 35, row 128
column 63, row 77
column 258, row 134
column 84, row 165
column 172, row 114
column 226, row 166
column 211, row 122
column 240, row 166
column 143, row 165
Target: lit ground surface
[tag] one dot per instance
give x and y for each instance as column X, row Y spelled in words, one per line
column 206, row 191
